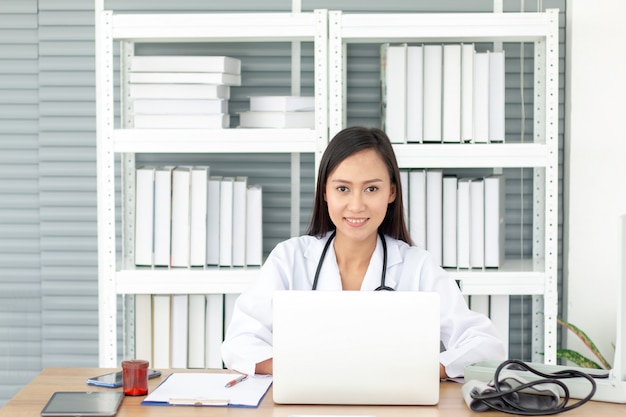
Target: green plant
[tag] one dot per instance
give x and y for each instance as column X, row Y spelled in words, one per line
column 576, row 357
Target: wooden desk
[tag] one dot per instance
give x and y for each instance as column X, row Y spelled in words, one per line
column 30, row 400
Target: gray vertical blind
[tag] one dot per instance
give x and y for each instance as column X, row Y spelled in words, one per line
column 20, row 283
column 48, row 244
column 67, row 183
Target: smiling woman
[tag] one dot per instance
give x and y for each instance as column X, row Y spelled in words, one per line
column 357, row 238
column 358, row 193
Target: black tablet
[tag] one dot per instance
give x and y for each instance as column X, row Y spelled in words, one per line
column 79, row 404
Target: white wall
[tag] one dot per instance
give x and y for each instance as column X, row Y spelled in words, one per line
column 595, row 166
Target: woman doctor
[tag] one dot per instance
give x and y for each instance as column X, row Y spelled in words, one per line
column 357, row 240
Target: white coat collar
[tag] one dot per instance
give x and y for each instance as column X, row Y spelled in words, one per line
column 330, row 279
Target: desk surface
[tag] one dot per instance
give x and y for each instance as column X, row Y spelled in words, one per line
column 30, row 400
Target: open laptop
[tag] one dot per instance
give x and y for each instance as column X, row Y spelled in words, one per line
column 356, row 347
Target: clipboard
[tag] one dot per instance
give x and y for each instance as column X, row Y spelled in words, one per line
column 208, row 389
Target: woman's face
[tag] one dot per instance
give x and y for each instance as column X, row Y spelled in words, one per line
column 358, row 192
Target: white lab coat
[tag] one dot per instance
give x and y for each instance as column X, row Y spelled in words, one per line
column 467, row 336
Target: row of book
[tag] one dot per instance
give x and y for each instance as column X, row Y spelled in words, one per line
column 180, row 330
column 186, row 217
column 460, row 221
column 442, row 93
column 182, row 91
column 194, row 91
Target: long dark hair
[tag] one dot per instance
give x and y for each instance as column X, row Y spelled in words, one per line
column 346, row 143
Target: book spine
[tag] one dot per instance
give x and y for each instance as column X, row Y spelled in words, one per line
column 433, row 88
column 451, row 115
column 415, row 94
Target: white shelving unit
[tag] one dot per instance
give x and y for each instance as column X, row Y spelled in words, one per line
column 121, row 276
column 331, row 32
column 537, row 277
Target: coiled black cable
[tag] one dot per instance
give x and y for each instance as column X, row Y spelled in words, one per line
column 505, row 398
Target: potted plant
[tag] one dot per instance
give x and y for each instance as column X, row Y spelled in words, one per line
column 576, row 357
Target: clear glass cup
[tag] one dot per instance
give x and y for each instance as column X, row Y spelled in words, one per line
column 135, row 377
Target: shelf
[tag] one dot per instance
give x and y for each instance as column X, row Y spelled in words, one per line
column 184, row 281
column 466, row 155
column 222, row 27
column 515, row 277
column 444, row 27
column 215, row 140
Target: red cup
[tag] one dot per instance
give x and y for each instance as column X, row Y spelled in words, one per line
column 135, row 377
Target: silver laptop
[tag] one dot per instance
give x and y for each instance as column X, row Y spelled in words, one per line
column 356, row 347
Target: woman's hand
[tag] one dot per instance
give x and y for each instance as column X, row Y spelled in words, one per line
column 266, row 367
column 442, row 372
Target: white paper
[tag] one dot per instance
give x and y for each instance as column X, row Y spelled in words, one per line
column 209, row 389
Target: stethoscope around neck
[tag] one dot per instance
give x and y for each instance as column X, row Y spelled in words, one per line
column 381, row 287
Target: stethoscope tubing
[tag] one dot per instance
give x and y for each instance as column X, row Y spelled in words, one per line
column 383, row 275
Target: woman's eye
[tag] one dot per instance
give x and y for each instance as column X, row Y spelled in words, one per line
column 342, row 188
column 371, row 189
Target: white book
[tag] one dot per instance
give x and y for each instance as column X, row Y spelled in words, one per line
column 143, row 327
column 226, row 221
column 229, row 308
column 214, row 330
column 180, row 330
column 481, row 97
column 254, row 225
column 451, row 113
column 434, row 213
column 162, row 215
column 417, row 207
column 467, row 92
column 179, row 91
column 494, row 220
column 277, row 119
column 162, row 336
column 449, row 221
column 182, row 121
column 404, row 181
column 213, row 220
column 393, row 71
column 215, row 78
column 414, row 93
column 181, row 188
column 198, row 215
column 197, row 329
column 240, row 191
column 477, row 225
column 144, row 215
column 282, row 103
column 433, row 88
column 463, row 223
column 496, row 96
column 500, row 316
column 180, row 106
column 165, row 63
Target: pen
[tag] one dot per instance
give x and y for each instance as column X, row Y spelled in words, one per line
column 236, row 381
